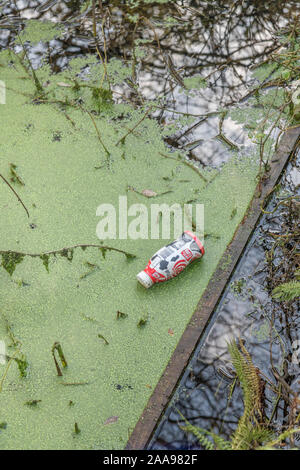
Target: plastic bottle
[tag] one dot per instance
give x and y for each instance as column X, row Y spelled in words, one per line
column 170, row 260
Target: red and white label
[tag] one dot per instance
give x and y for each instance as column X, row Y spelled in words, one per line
column 187, row 254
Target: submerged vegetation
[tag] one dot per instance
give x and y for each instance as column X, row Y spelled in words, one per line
column 10, row 259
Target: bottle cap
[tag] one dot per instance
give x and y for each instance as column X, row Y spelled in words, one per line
column 191, row 234
column 144, row 279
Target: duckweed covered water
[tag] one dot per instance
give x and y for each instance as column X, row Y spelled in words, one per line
column 62, row 191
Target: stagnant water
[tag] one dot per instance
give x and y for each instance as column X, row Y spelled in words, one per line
column 245, row 311
column 225, row 42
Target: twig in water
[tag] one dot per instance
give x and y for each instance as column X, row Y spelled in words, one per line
column 185, row 162
column 15, row 178
column 104, row 339
column 15, row 193
column 97, row 130
column 134, row 127
column 64, row 251
column 34, row 76
column 76, row 429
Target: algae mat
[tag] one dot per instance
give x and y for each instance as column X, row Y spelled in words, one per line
column 56, row 153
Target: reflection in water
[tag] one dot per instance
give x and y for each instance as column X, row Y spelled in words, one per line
column 247, row 311
column 169, row 44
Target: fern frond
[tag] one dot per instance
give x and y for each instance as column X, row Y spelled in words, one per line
column 251, row 433
column 260, row 435
column 221, row 444
column 251, row 385
column 285, row 435
column 198, row 432
column 287, row 291
column 218, row 442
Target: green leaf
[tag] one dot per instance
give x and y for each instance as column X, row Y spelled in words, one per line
column 10, row 261
column 103, row 251
column 67, row 253
column 45, row 259
column 36, row 31
column 195, row 82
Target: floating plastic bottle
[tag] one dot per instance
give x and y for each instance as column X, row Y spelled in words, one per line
column 170, row 260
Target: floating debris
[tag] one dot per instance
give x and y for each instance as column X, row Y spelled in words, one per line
column 104, row 339
column 143, row 320
column 57, row 347
column 33, row 403
column 121, row 315
column 76, row 429
column 111, row 420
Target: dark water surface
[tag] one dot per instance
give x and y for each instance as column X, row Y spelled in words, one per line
column 220, row 41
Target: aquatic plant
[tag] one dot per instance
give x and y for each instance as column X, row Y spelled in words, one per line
column 10, row 258
column 143, row 320
column 249, row 428
column 287, row 291
column 215, row 443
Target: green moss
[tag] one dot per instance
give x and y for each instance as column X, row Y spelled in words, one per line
column 263, row 332
column 36, row 31
column 227, row 259
column 195, row 82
